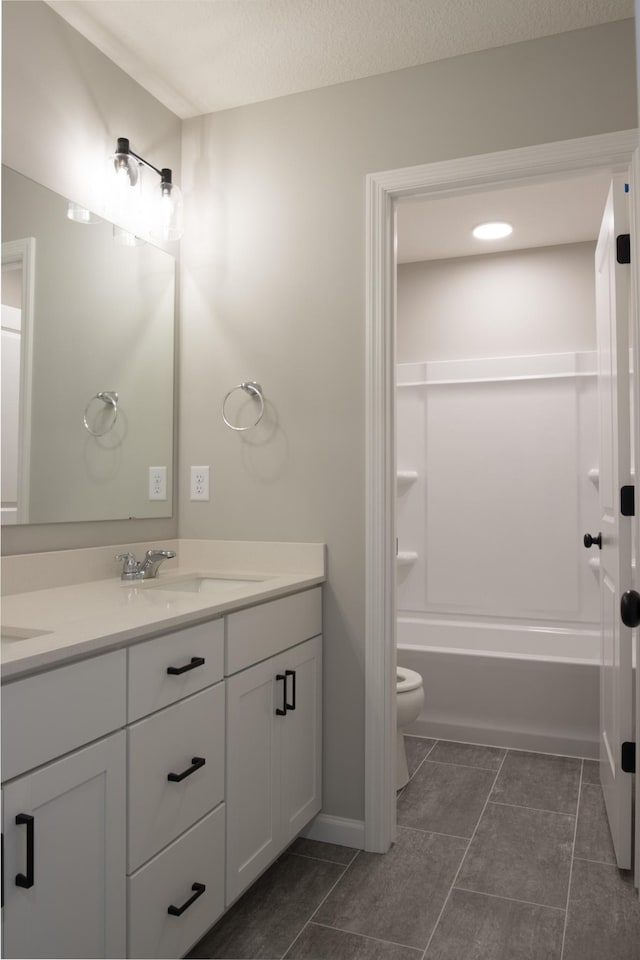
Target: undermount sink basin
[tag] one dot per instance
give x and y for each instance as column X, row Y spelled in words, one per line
column 208, row 585
column 11, row 634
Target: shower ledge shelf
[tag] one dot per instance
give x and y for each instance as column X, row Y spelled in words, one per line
column 407, row 476
column 405, row 557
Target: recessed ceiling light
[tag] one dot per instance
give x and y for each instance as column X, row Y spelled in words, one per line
column 495, row 230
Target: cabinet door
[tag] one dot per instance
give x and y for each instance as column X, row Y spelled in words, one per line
column 254, row 831
column 302, row 738
column 75, row 906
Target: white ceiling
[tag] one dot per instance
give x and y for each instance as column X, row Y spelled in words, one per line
column 542, row 214
column 199, row 56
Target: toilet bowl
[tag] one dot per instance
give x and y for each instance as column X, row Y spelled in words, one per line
column 409, row 699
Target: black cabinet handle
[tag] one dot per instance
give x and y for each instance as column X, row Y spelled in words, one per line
column 279, row 712
column 178, row 911
column 193, row 663
column 27, row 880
column 196, row 763
column 291, row 673
column 590, row 541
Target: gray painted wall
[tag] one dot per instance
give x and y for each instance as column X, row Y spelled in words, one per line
column 508, row 304
column 63, row 106
column 273, row 290
column 273, row 278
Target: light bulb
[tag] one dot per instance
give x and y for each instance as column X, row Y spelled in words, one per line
column 166, row 223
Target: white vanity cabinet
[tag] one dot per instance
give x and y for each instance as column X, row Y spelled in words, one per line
column 64, row 821
column 145, row 788
column 274, row 732
column 176, row 810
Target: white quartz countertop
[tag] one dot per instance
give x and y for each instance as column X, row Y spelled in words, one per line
column 48, row 627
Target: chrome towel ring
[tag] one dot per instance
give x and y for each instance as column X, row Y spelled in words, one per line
column 110, row 398
column 253, row 389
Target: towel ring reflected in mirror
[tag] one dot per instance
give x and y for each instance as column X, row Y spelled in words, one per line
column 109, row 398
column 254, row 390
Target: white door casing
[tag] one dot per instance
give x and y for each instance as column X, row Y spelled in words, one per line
column 634, row 333
column 610, row 152
column 24, row 252
column 612, row 323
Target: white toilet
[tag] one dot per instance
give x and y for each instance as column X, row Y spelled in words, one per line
column 410, row 698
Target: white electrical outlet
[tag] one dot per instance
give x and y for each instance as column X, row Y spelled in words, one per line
column 199, row 483
column 157, row 483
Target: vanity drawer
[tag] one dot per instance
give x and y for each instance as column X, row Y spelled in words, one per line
column 168, row 880
column 262, row 631
column 173, row 742
column 152, row 688
column 52, row 713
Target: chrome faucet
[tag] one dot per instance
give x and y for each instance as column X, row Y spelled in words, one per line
column 146, row 569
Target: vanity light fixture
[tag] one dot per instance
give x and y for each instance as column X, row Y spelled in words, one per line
column 494, row 230
column 166, row 211
column 80, row 214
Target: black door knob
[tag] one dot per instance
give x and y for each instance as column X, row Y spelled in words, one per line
column 589, row 540
column 630, row 608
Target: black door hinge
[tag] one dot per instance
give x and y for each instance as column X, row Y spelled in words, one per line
column 628, row 757
column 628, row 500
column 623, row 248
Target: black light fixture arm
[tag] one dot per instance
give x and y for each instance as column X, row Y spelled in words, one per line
column 123, row 147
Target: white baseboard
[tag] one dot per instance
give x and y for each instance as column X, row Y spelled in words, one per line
column 564, row 746
column 346, row 833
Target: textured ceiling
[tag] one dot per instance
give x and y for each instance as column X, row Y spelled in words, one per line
column 199, row 56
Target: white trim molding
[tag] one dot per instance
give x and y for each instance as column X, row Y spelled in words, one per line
column 24, row 252
column 384, row 190
column 345, row 833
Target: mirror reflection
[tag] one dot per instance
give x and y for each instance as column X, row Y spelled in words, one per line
column 87, row 365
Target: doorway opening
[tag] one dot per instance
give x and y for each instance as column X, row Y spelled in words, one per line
column 607, row 153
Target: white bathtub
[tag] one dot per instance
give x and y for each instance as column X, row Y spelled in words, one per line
column 532, row 688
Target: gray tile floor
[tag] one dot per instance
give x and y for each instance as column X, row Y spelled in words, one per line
column 500, row 855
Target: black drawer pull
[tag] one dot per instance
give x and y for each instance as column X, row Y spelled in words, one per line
column 193, row 663
column 27, row 880
column 291, row 673
column 196, row 763
column 279, row 712
column 178, row 911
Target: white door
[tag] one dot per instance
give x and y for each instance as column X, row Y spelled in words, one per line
column 65, row 856
column 612, row 319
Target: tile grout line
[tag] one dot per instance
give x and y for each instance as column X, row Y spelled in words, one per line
column 365, row 936
column 573, row 849
column 435, row 833
column 467, row 766
column 446, row 899
column 497, row 896
column 602, row 863
column 431, row 749
column 328, row 893
column 336, row 863
column 523, row 806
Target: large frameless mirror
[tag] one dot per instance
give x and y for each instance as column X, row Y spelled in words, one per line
column 87, row 364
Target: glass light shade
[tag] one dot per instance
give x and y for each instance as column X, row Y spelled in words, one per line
column 80, row 214
column 124, row 184
column 166, row 213
column 495, row 230
column 126, row 238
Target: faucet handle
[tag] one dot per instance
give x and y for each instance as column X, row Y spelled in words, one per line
column 129, row 563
